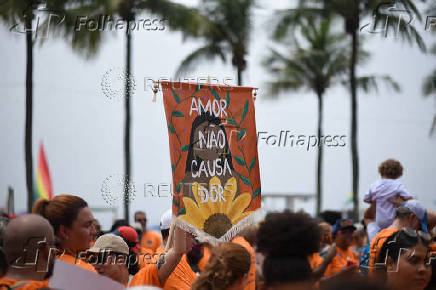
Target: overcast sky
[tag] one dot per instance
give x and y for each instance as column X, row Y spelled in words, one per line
column 82, row 129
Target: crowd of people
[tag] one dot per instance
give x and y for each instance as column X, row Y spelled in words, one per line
column 393, row 247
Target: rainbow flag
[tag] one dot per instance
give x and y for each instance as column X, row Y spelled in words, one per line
column 43, row 181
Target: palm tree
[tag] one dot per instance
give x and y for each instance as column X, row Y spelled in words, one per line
column 86, row 43
column 179, row 17
column 18, row 12
column 352, row 12
column 317, row 66
column 183, row 18
column 429, row 88
column 15, row 13
column 226, row 32
column 429, row 85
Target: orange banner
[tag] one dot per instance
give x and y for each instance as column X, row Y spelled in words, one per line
column 213, row 148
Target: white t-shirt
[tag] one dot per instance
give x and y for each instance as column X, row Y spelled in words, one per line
column 381, row 191
column 372, row 229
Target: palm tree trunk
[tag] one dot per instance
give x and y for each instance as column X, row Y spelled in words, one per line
column 127, row 125
column 29, row 107
column 320, row 155
column 354, row 127
column 239, row 69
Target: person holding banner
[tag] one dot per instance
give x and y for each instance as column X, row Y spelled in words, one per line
column 28, row 245
column 213, row 153
column 157, row 274
column 73, row 224
column 190, row 266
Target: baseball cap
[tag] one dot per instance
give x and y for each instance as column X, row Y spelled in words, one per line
column 419, row 210
column 343, row 224
column 166, row 219
column 110, row 242
column 130, row 236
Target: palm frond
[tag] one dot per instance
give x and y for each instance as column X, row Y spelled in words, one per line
column 318, row 63
column 371, row 83
column 178, row 16
column 286, row 20
column 207, row 52
column 429, row 85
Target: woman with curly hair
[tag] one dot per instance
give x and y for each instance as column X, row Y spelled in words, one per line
column 227, row 269
column 287, row 241
column 385, row 195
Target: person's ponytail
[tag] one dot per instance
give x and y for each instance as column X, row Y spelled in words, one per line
column 61, row 210
column 228, row 263
column 40, row 207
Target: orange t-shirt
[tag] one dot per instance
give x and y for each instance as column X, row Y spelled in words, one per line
column 432, row 250
column 147, row 257
column 205, row 259
column 251, row 285
column 80, row 263
column 22, row 284
column 314, row 260
column 147, row 276
column 340, row 261
column 150, row 240
column 377, row 243
column 182, row 277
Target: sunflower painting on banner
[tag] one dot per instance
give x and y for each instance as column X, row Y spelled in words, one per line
column 213, row 152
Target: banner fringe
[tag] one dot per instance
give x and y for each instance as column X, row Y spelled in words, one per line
column 206, row 238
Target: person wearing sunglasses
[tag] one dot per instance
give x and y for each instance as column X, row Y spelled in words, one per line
column 411, row 214
column 30, row 252
column 404, row 260
column 149, row 239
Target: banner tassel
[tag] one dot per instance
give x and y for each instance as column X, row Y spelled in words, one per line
column 155, row 91
column 254, row 94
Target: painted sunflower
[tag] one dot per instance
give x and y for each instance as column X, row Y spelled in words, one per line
column 216, row 218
